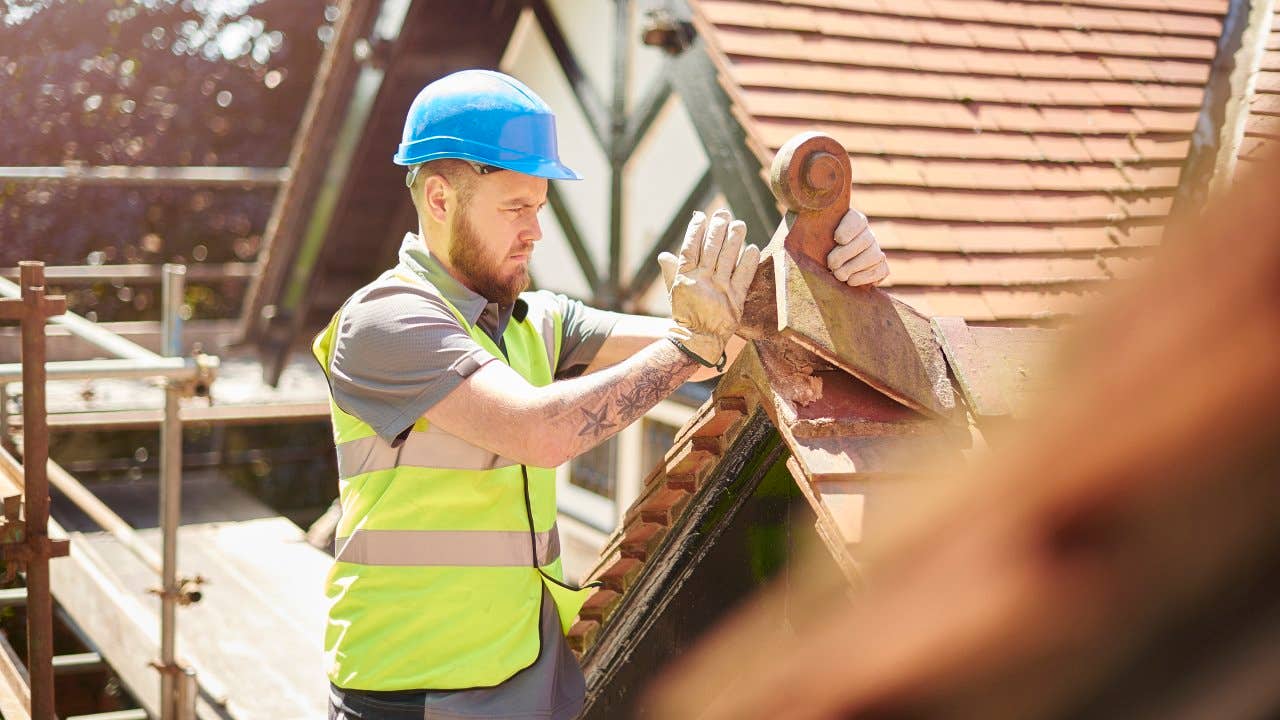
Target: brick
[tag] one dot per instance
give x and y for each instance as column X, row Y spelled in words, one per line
column 654, row 485
column 583, row 635
column 687, row 482
column 687, row 460
column 655, row 476
column 642, row 539
column 600, row 606
column 714, row 444
column 621, row 574
column 664, row 506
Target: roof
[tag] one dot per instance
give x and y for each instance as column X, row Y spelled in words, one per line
column 1262, row 126
column 848, row 422
column 1012, row 155
column 1116, row 560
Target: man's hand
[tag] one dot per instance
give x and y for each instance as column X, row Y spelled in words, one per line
column 708, row 283
column 857, row 258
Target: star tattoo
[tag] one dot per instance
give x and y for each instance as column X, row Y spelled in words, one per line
column 631, row 404
column 596, row 422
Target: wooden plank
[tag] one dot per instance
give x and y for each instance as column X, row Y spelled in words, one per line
column 15, row 685
column 309, row 157
column 253, row 639
column 256, row 634
column 124, row 631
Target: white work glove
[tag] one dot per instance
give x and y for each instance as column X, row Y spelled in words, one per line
column 708, row 284
column 857, row 258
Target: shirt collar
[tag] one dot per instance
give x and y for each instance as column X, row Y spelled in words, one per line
column 473, row 306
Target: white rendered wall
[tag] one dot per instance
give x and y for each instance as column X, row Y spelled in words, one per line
column 530, row 59
column 661, row 173
column 647, row 63
column 588, row 27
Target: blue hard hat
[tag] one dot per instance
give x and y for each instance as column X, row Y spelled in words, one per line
column 485, row 117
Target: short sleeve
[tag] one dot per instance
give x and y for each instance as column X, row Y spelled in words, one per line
column 584, row 330
column 397, row 352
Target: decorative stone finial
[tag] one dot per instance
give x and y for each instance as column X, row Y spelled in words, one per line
column 811, row 177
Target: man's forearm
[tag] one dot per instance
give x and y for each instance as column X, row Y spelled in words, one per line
column 578, row 414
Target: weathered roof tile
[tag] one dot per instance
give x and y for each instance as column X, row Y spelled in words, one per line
column 986, row 126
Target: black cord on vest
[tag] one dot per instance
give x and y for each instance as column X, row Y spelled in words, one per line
column 523, row 308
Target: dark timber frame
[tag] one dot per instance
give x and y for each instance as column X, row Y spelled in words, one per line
column 755, row 451
column 308, row 267
column 734, row 170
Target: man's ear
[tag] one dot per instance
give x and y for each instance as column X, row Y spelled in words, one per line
column 437, row 195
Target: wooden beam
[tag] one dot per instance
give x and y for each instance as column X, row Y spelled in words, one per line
column 670, row 238
column 736, row 171
column 571, row 234
column 15, row 684
column 308, row 159
column 642, row 117
column 122, row 628
column 593, row 107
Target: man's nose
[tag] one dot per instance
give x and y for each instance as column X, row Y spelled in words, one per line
column 533, row 231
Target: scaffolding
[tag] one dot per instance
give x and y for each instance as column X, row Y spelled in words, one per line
column 29, row 538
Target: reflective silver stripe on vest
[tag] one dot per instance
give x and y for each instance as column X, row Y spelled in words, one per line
column 474, row 548
column 431, row 448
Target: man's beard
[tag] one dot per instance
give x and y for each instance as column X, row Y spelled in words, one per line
column 466, row 258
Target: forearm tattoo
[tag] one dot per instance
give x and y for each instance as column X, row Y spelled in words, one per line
column 627, row 398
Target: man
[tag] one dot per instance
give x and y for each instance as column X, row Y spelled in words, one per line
column 454, row 395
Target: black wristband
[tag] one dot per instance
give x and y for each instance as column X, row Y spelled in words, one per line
column 719, row 365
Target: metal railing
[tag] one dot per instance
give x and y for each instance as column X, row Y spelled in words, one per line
column 181, row 377
column 24, row 538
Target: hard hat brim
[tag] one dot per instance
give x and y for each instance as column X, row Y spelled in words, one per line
column 528, row 165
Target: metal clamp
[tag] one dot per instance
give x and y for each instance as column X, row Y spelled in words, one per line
column 188, row 591
column 199, row 384
column 17, row 548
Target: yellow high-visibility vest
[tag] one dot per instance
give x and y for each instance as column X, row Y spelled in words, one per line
column 443, row 549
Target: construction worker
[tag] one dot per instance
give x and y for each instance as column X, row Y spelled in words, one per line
column 455, row 394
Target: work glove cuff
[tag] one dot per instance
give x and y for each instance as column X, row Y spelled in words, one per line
column 705, row 349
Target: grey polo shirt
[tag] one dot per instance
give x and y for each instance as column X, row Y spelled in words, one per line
column 399, row 350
